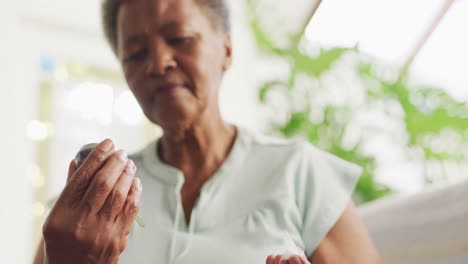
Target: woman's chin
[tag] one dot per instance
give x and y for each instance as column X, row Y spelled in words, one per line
column 173, row 119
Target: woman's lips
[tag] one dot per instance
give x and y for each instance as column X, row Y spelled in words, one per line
column 168, row 88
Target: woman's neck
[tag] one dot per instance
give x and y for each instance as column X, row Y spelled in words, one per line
column 198, row 150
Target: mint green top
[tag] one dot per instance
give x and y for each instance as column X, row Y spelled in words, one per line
column 270, row 196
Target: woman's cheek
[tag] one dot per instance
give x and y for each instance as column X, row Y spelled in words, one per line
column 131, row 74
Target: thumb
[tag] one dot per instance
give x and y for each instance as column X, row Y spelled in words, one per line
column 71, row 169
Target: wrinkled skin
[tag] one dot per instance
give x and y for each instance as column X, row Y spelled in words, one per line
column 93, row 216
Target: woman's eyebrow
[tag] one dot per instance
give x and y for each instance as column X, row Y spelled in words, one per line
column 134, row 39
column 138, row 38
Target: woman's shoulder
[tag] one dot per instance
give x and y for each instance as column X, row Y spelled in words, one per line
column 300, row 150
column 273, row 143
column 276, row 148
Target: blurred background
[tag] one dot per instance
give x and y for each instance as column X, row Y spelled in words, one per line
column 379, row 83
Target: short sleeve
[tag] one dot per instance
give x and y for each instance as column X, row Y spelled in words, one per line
column 324, row 186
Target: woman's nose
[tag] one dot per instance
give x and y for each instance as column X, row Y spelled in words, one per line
column 161, row 60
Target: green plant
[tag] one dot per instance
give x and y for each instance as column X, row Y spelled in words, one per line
column 426, row 113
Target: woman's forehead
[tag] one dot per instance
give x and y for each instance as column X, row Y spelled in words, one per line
column 159, row 15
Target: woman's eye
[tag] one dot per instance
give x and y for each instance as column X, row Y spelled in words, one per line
column 178, row 41
column 135, row 56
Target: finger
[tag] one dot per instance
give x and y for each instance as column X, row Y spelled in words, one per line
column 70, row 199
column 104, row 181
column 295, row 260
column 304, row 260
column 278, row 259
column 270, row 259
column 118, row 196
column 132, row 206
column 82, row 176
column 71, row 169
column 124, row 244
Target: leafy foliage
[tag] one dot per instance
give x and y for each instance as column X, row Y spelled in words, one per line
column 427, row 113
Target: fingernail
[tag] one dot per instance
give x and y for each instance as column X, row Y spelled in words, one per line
column 139, row 186
column 106, row 145
column 122, row 154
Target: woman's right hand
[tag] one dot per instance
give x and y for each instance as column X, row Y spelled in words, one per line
column 279, row 259
column 93, row 216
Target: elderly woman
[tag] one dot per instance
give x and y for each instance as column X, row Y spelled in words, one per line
column 214, row 192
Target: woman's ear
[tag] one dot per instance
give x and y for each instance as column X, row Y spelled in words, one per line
column 228, row 52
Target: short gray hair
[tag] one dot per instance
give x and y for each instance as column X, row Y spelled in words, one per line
column 217, row 11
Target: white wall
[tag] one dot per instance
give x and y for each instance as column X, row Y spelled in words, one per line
column 16, row 106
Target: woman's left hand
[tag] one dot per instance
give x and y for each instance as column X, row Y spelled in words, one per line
column 279, row 259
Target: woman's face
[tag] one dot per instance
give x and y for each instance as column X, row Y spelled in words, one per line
column 173, row 58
